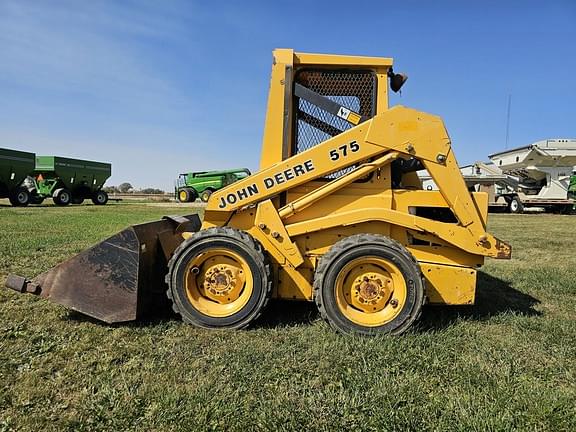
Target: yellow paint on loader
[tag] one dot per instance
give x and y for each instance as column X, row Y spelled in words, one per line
column 313, row 213
column 336, row 214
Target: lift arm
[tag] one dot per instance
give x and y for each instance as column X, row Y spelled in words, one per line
column 399, row 130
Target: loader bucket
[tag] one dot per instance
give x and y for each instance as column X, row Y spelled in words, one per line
column 118, row 279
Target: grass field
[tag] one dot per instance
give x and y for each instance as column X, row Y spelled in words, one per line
column 508, row 363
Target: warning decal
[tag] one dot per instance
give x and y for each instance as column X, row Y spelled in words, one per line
column 349, row 116
column 343, row 113
column 354, row 118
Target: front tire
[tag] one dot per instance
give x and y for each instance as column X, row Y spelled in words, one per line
column 219, row 278
column 369, row 284
column 187, row 195
column 20, row 197
column 516, row 206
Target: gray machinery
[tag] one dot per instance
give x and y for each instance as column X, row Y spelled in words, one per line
column 536, row 175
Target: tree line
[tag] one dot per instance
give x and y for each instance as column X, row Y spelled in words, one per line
column 126, row 188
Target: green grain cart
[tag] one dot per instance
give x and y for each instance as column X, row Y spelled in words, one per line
column 71, row 180
column 193, row 185
column 15, row 167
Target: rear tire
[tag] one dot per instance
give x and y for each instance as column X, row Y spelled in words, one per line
column 62, row 197
column 219, row 278
column 205, row 196
column 515, row 206
column 369, row 284
column 20, row 197
column 77, row 200
column 100, row 198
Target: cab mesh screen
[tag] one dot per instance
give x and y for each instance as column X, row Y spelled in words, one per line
column 354, row 90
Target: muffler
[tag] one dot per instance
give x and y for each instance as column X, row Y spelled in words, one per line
column 120, row 278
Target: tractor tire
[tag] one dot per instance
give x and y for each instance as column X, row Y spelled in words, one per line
column 77, row 200
column 187, row 195
column 515, row 206
column 100, row 198
column 205, row 196
column 219, row 278
column 369, row 284
column 62, row 197
column 20, row 197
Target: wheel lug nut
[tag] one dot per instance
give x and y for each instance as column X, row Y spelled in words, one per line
column 195, row 270
column 394, row 303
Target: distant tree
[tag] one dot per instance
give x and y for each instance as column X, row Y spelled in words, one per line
column 152, row 191
column 125, row 187
column 110, row 189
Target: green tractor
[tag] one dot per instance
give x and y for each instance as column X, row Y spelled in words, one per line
column 194, row 185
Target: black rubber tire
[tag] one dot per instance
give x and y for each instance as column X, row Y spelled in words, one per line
column 20, row 197
column 232, row 239
column 368, row 245
column 205, row 195
column 515, row 206
column 36, row 199
column 183, row 196
column 100, row 198
column 62, row 197
column 191, row 195
column 77, row 200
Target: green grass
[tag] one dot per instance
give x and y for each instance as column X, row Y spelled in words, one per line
column 508, row 363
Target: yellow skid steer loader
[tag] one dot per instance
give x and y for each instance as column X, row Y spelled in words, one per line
column 336, row 215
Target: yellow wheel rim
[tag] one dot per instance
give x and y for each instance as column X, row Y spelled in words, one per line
column 218, row 283
column 182, row 195
column 370, row 291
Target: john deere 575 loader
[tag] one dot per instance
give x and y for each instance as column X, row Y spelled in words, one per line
column 336, row 215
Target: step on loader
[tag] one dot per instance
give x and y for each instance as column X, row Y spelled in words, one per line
column 336, row 215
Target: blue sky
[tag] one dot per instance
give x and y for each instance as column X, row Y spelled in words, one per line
column 162, row 87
